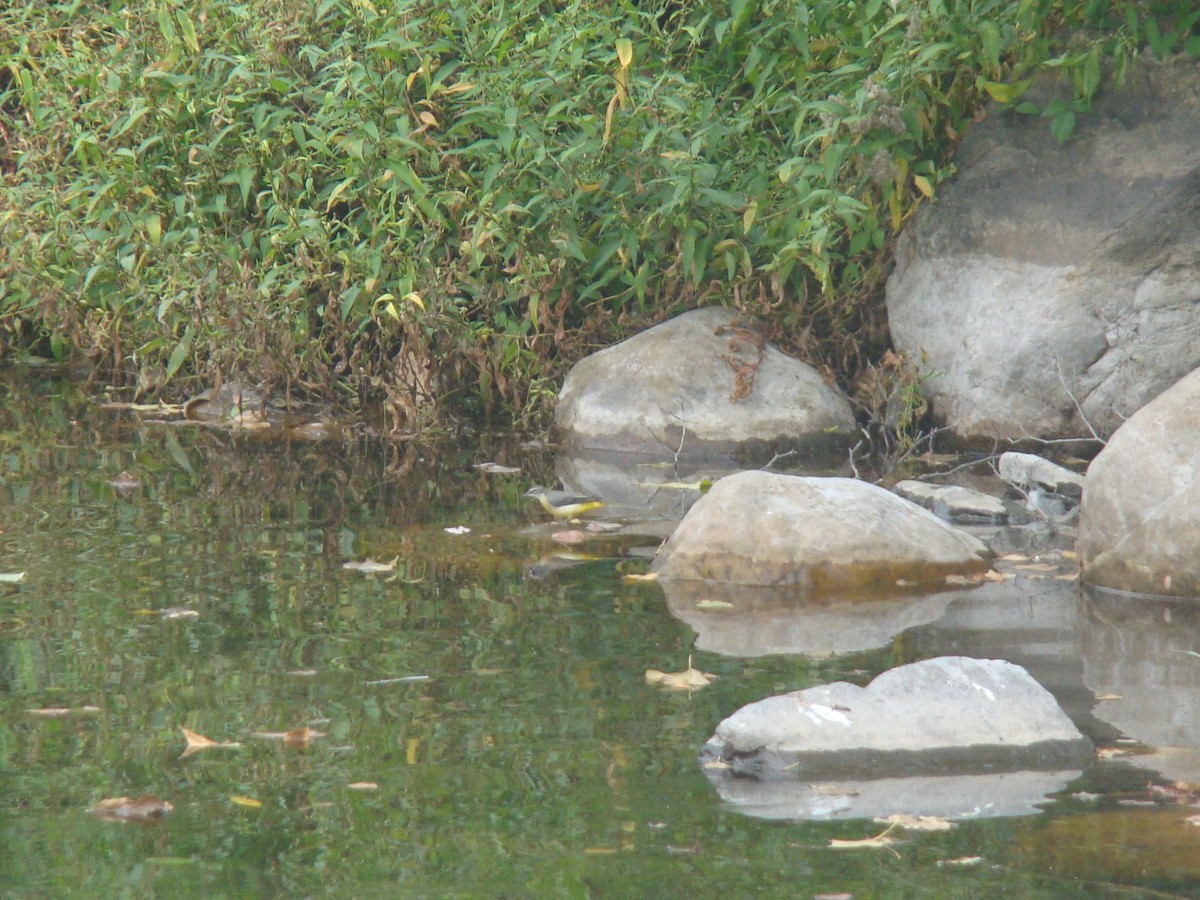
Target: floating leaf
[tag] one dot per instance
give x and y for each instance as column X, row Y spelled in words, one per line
column 248, row 802
column 714, row 604
column 492, row 468
column 197, row 742
column 403, row 679
column 174, row 613
column 880, row 840
column 457, row 529
column 145, row 810
column 297, row 737
column 688, row 680
column 917, row 823
column 369, row 565
column 11, row 577
column 634, row 577
column 64, row 712
column 363, row 786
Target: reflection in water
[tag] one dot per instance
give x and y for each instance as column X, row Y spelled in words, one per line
column 505, row 720
column 1142, row 659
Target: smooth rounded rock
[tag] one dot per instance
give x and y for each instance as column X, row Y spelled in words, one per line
column 822, row 535
column 1139, row 523
column 950, row 711
column 701, row 384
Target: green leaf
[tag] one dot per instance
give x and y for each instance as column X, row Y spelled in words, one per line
column 1062, row 126
column 189, row 31
column 179, row 354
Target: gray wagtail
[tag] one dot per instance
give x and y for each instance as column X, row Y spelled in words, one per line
column 563, row 505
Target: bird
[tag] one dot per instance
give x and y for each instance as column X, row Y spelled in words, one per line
column 561, row 504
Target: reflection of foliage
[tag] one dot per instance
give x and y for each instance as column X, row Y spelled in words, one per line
column 534, row 742
column 437, row 204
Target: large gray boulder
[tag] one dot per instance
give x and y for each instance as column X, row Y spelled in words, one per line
column 953, row 711
column 1139, row 524
column 825, row 536
column 1052, row 280
column 701, row 384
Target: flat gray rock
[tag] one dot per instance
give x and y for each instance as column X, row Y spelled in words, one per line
column 951, row 712
column 954, row 503
column 704, row 385
column 824, row 536
column 1139, row 523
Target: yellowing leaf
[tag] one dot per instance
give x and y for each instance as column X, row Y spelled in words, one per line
column 748, row 216
column 923, row 185
column 427, row 118
column 459, row 88
column 1005, row 93
column 248, row 802
column 634, row 577
column 589, row 188
column 413, row 76
column 624, row 52
column 415, row 299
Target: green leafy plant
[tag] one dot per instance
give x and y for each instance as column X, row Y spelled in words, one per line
column 439, row 206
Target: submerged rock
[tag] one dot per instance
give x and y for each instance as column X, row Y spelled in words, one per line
column 825, row 536
column 1139, row 525
column 952, row 712
column 701, row 384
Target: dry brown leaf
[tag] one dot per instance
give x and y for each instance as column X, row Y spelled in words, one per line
column 297, row 737
column 713, row 604
column 880, row 840
column 197, row 742
column 1111, row 752
column 688, row 680
column 1100, row 697
column 961, row 861
column 1014, row 557
column 993, row 575
column 144, row 810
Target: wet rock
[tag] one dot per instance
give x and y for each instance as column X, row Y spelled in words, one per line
column 701, row 384
column 1026, row 471
column 1052, row 288
column 1139, row 525
column 954, row 503
column 824, row 536
column 953, row 711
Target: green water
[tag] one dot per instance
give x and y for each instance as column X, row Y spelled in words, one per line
column 532, row 760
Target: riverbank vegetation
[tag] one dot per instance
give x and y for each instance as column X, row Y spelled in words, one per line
column 439, row 206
